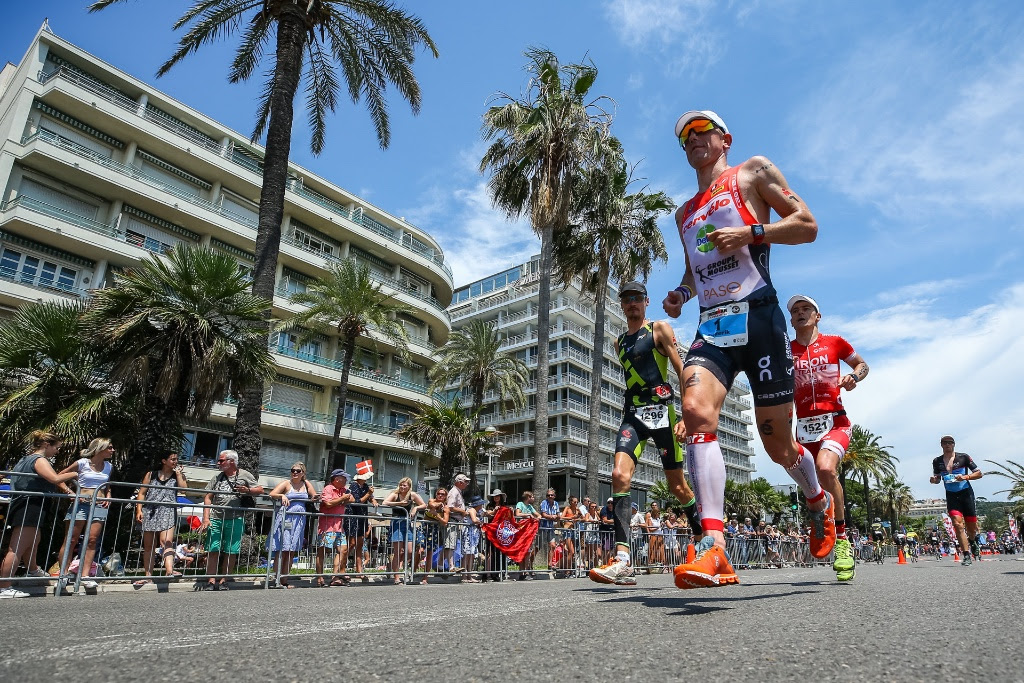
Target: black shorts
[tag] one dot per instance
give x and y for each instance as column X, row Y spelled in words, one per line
column 356, row 526
column 962, row 502
column 633, row 435
column 26, row 511
column 766, row 358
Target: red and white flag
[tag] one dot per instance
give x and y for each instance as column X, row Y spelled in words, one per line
column 511, row 536
column 365, row 467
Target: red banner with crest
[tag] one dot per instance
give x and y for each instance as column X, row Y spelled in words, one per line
column 511, row 536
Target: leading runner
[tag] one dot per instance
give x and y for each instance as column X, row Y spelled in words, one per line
column 726, row 235
column 822, row 426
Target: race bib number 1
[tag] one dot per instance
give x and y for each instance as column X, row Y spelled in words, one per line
column 813, row 429
column 653, row 417
column 725, row 325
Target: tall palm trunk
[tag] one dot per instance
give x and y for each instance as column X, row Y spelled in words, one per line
column 478, row 401
column 339, row 416
column 540, row 427
column 291, row 39
column 596, row 372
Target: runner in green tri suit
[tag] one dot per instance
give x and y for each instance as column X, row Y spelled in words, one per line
column 645, row 350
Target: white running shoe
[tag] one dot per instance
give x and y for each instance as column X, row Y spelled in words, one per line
column 616, row 572
column 12, row 593
column 38, row 574
column 90, row 584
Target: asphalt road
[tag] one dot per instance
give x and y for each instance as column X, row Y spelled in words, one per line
column 929, row 621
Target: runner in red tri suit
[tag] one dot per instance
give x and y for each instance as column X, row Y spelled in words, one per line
column 822, row 426
column 727, row 233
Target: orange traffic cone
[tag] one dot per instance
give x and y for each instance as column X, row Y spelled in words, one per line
column 956, row 555
column 902, row 558
column 691, row 552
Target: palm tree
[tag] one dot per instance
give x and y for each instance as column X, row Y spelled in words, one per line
column 372, row 42
column 896, row 496
column 618, row 238
column 349, row 303
column 182, row 328
column 442, row 428
column 473, row 358
column 768, row 499
column 542, row 141
column 55, row 379
column 1015, row 473
column 866, row 458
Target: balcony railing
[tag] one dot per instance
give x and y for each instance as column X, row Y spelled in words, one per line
column 61, row 214
column 55, row 140
column 323, row 418
column 390, row 282
column 20, row 277
column 356, row 370
column 128, row 104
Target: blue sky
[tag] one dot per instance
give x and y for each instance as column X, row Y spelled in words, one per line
column 899, row 126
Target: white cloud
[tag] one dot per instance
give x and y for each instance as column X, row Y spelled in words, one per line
column 908, row 123
column 476, row 238
column 934, row 374
column 677, row 31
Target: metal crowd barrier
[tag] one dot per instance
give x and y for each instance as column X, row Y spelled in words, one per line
column 394, row 547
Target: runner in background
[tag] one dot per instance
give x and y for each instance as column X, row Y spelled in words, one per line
column 956, row 471
column 822, row 426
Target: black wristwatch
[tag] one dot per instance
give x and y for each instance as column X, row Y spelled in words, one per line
column 757, row 232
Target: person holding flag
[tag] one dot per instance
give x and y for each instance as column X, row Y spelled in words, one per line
column 356, row 517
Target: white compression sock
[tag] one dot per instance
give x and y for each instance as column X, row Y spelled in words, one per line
column 707, row 470
column 806, row 477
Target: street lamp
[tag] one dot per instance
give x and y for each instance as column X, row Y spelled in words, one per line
column 492, row 449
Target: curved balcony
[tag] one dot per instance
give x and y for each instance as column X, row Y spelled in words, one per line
column 193, row 136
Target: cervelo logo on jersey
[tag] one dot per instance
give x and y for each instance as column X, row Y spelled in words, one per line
column 719, row 203
column 712, row 270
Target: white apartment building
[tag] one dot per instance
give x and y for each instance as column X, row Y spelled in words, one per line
column 927, row 507
column 99, row 170
column 509, row 299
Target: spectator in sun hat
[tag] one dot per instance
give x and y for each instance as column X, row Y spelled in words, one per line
column 357, row 520
column 495, row 562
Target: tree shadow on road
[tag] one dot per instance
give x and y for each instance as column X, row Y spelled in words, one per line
column 692, row 605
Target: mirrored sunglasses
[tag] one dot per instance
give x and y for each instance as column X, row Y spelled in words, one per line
column 695, row 126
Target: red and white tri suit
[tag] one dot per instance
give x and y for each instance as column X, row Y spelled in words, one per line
column 821, row 418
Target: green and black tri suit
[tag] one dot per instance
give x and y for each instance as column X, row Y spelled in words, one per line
column 648, row 412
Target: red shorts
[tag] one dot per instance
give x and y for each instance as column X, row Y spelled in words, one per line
column 836, row 440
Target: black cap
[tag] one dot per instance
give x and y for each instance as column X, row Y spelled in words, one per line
column 632, row 287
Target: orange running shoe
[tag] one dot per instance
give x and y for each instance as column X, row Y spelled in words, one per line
column 823, row 529
column 711, row 568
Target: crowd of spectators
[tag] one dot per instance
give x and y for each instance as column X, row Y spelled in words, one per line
column 399, row 538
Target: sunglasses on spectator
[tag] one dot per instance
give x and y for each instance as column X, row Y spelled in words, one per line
column 221, row 462
column 632, row 299
column 297, row 471
column 695, row 126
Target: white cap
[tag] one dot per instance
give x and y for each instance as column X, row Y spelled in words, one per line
column 796, row 298
column 705, row 114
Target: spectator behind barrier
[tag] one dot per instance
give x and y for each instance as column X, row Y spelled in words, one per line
column 226, row 522
column 330, row 534
column 93, row 470
column 25, row 513
column 526, row 510
column 157, row 512
column 289, row 524
column 405, row 505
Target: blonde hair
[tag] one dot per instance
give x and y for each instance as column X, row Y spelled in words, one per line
column 94, row 447
column 302, row 465
column 405, row 480
column 39, row 438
